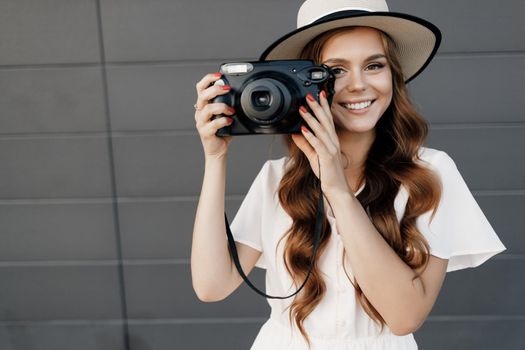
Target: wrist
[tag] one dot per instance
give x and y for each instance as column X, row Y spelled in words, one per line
column 215, row 159
column 341, row 196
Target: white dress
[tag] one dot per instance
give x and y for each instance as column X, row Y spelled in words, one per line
column 459, row 232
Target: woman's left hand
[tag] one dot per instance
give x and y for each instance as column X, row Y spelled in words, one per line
column 324, row 145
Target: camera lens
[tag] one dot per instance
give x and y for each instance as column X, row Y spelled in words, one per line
column 261, row 98
column 265, row 101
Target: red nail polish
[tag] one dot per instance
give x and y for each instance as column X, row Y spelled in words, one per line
column 302, row 109
column 232, row 110
column 226, row 87
column 304, row 128
column 323, row 93
column 310, row 97
column 217, row 74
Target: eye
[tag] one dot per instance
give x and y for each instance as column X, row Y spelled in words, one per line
column 374, row 66
column 337, row 71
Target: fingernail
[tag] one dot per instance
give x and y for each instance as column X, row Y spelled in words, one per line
column 232, row 110
column 304, row 128
column 230, row 120
column 323, row 93
column 226, row 87
column 217, row 74
column 302, row 109
column 310, row 97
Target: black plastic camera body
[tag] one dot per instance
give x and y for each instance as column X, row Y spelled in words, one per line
column 266, row 95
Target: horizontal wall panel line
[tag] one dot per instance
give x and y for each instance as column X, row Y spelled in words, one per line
column 505, row 256
column 54, row 323
column 175, row 63
column 193, row 132
column 58, row 263
column 54, row 135
column 231, row 320
column 207, row 61
column 234, row 320
column 157, row 199
column 204, row 320
column 57, row 201
column 93, row 134
column 109, row 262
column 474, row 318
column 492, row 193
column 109, row 200
column 185, row 199
column 50, row 66
column 480, row 54
column 117, row 322
column 153, row 262
column 437, row 126
column 88, row 263
column 495, row 125
column 149, row 262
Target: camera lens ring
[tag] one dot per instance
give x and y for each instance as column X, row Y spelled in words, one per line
column 265, row 113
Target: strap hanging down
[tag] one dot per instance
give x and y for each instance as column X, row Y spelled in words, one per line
column 317, row 238
column 235, row 256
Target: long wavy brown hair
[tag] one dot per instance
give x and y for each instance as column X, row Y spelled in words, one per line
column 390, row 163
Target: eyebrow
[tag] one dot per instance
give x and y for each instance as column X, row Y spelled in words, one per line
column 342, row 60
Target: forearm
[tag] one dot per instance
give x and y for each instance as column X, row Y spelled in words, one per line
column 386, row 280
column 211, row 266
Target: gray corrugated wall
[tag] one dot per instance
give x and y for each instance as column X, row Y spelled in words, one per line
column 69, row 70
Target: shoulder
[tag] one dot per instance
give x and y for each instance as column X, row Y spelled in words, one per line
column 437, row 160
column 270, row 174
column 440, row 163
column 433, row 156
column 274, row 169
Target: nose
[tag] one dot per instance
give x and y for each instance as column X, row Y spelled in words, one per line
column 356, row 81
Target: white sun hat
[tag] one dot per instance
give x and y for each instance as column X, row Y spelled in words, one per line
column 416, row 39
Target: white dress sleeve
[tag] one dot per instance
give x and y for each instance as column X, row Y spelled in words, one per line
column 459, row 231
column 246, row 226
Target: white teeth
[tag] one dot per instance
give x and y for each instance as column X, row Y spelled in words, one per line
column 360, row 105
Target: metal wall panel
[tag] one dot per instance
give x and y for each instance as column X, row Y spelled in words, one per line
column 58, row 292
column 454, row 89
column 70, row 69
column 59, row 167
column 48, row 32
column 61, row 336
column 51, row 100
column 46, row 230
column 161, row 228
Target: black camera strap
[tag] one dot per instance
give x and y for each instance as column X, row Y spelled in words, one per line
column 235, row 256
column 317, row 238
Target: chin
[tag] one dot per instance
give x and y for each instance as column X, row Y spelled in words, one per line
column 358, row 127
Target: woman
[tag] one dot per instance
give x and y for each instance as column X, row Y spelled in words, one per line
column 399, row 215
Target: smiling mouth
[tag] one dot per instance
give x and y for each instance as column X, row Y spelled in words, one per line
column 357, row 106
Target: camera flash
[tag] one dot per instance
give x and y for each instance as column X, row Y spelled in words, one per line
column 317, row 75
column 236, row 68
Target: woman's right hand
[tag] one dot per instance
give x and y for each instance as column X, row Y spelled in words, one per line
column 214, row 146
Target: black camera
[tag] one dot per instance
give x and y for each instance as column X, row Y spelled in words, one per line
column 267, row 95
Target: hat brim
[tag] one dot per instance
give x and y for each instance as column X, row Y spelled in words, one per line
column 416, row 40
